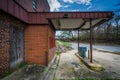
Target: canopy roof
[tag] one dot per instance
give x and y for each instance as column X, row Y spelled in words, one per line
column 57, row 20
column 72, row 24
column 79, row 22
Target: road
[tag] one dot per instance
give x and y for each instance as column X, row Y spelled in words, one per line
column 111, row 62
column 109, row 48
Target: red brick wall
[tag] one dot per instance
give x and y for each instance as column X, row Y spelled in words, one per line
column 6, row 21
column 37, row 44
column 42, row 5
column 51, row 48
column 4, row 47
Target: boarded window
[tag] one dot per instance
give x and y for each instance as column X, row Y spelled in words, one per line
column 16, row 46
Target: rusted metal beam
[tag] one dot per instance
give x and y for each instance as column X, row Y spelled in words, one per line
column 78, row 41
column 81, row 25
column 66, row 29
column 51, row 24
column 70, row 15
column 95, row 25
column 91, row 34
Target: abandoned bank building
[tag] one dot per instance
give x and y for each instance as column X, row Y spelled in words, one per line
column 27, row 30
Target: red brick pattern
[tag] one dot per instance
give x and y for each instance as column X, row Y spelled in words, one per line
column 6, row 21
column 51, row 45
column 52, row 52
column 36, row 44
column 4, row 47
column 42, row 5
column 51, row 42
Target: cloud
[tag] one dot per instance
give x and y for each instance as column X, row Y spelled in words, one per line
column 89, row 7
column 66, row 6
column 54, row 5
column 75, row 10
column 70, row 1
column 85, row 2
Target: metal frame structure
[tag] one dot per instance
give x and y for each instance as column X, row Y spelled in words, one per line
column 88, row 20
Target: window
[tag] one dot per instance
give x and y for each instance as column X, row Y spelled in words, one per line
column 35, row 4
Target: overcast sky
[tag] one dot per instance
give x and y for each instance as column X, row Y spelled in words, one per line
column 84, row 5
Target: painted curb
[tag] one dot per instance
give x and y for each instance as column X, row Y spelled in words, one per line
column 92, row 66
column 47, row 69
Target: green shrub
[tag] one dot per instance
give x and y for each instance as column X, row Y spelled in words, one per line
column 58, row 53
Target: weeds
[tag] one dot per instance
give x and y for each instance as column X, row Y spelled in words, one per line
column 58, row 53
column 12, row 70
column 63, row 43
column 90, row 79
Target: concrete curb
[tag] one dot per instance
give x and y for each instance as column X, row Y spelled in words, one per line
column 92, row 66
column 46, row 72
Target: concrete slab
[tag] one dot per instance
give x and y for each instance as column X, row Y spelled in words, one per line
column 67, row 62
column 69, row 66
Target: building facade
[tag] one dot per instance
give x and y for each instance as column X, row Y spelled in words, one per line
column 27, row 30
column 34, row 5
column 20, row 40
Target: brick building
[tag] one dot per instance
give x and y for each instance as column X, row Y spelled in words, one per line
column 34, row 5
column 27, row 30
column 21, row 41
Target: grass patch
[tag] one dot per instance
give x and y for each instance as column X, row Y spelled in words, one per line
column 58, row 53
column 57, row 42
column 63, row 43
column 103, row 69
column 57, row 65
column 58, row 62
column 90, row 79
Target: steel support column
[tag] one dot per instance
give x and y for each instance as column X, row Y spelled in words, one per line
column 91, row 34
column 78, row 42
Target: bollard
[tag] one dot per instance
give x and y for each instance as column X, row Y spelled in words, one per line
column 88, row 54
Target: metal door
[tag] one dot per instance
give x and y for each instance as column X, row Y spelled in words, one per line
column 16, row 46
